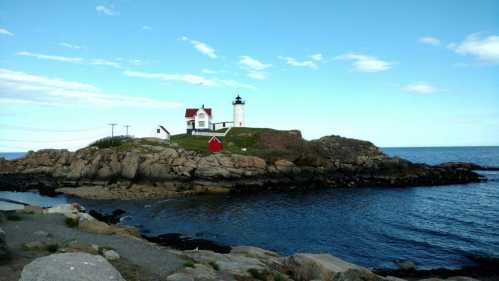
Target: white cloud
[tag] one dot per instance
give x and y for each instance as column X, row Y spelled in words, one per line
column 187, row 78
column 257, row 75
column 201, row 47
column 420, row 88
column 232, row 83
column 105, row 62
column 429, row 40
column 253, row 64
column 6, row 32
column 364, row 63
column 146, row 27
column 51, row 57
column 24, row 88
column 75, row 59
column 293, row 62
column 485, row 48
column 107, row 10
column 208, row 71
column 70, row 46
column 317, row 57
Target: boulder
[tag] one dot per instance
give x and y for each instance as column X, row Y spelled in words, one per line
column 318, row 266
column 407, row 265
column 130, row 165
column 70, row 267
column 197, row 272
column 111, row 255
column 77, row 246
column 357, row 275
column 4, row 251
column 95, row 226
column 68, row 210
column 234, row 264
column 41, row 233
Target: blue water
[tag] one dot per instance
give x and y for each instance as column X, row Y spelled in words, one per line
column 433, row 226
column 12, row 155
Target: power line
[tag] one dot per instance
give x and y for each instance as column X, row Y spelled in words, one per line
column 49, row 141
column 23, row 128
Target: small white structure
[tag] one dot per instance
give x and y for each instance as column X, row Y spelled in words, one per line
column 163, row 133
column 198, row 119
column 238, row 104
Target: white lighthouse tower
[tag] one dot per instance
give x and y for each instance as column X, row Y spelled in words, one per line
column 238, row 104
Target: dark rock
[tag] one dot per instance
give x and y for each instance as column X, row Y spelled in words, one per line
column 485, row 267
column 4, row 250
column 112, row 218
column 181, row 242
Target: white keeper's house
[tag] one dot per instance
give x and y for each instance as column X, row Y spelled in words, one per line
column 200, row 119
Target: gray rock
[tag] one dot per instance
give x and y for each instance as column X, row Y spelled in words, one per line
column 70, row 267
column 4, row 251
column 318, row 266
column 41, row 233
column 407, row 265
column 111, row 255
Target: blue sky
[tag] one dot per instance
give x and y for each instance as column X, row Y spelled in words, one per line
column 419, row 73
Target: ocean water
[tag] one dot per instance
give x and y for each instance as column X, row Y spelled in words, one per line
column 373, row 227
column 12, row 155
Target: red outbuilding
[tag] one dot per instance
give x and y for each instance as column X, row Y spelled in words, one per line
column 215, row 144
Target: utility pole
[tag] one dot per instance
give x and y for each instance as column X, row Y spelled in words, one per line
column 127, row 126
column 112, row 128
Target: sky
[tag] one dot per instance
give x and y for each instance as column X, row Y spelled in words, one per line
column 396, row 73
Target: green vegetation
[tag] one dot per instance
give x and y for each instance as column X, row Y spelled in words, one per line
column 279, row 277
column 256, row 274
column 189, row 264
column 109, row 142
column 14, row 217
column 195, row 143
column 71, row 222
column 214, row 265
column 234, row 142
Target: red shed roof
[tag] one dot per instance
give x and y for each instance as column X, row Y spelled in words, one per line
column 190, row 112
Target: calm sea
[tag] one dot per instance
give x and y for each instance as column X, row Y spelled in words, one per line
column 433, row 226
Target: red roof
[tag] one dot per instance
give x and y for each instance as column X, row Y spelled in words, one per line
column 190, row 112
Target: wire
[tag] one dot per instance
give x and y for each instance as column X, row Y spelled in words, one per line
column 2, row 126
column 49, row 141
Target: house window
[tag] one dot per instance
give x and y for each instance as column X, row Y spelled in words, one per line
column 201, row 124
column 201, row 115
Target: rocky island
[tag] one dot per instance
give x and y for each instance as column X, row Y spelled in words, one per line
column 253, row 160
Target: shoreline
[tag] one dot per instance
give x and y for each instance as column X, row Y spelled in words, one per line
column 34, row 218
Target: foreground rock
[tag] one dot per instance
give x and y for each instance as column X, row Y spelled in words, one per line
column 281, row 160
column 4, row 251
column 70, row 267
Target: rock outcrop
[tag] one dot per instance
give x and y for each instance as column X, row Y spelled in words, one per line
column 282, row 161
column 4, row 251
column 69, row 267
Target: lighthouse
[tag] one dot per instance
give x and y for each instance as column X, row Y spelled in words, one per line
column 238, row 104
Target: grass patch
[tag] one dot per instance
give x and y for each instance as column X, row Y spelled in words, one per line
column 71, row 222
column 105, row 248
column 194, row 143
column 189, row 264
column 109, row 142
column 256, row 274
column 234, row 141
column 13, row 217
column 214, row 265
column 279, row 277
